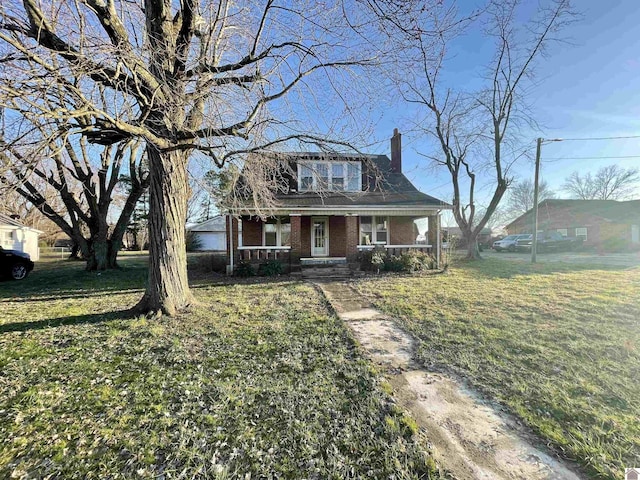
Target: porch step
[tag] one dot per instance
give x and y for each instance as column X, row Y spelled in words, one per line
column 333, row 271
column 323, row 261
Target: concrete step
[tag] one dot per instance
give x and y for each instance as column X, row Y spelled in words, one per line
column 326, row 272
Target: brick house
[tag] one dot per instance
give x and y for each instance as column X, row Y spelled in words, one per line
column 606, row 225
column 334, row 206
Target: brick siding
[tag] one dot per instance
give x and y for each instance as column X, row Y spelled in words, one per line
column 337, row 236
column 251, row 232
column 601, row 233
column 402, row 231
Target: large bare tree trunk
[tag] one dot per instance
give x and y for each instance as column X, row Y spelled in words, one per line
column 168, row 288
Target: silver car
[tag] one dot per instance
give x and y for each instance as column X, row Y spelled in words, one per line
column 508, row 243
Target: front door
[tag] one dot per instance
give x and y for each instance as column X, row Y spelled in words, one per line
column 319, row 237
column 635, row 234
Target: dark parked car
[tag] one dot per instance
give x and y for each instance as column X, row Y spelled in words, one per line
column 15, row 264
column 549, row 242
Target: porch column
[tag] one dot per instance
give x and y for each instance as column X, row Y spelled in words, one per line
column 351, row 235
column 433, row 237
column 232, row 240
column 296, row 232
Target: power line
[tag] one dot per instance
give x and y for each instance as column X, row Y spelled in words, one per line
column 590, row 158
column 597, row 138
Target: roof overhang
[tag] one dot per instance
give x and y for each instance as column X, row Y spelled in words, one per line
column 390, row 210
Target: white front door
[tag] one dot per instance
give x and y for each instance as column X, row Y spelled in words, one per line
column 319, row 237
column 635, row 233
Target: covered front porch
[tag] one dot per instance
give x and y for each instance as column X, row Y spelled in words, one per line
column 297, row 238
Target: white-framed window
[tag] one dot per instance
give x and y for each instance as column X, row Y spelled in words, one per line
column 581, row 232
column 374, row 230
column 562, row 231
column 277, row 232
column 8, row 236
column 331, row 176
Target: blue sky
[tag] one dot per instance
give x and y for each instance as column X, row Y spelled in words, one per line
column 587, row 87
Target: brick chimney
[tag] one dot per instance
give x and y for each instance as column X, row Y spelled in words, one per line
column 396, row 152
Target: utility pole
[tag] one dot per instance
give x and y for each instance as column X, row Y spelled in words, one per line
column 534, row 238
column 536, row 185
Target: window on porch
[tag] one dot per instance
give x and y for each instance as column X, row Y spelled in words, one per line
column 374, row 230
column 277, row 232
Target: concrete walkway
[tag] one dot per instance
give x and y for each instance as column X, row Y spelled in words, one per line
column 470, row 438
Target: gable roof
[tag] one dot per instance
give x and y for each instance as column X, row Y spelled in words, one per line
column 7, row 220
column 381, row 186
column 217, row 223
column 610, row 210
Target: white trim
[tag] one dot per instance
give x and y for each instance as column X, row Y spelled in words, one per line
column 278, row 225
column 262, row 247
column 374, row 230
column 311, row 165
column 415, row 245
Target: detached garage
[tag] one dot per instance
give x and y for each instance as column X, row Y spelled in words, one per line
column 16, row 236
column 212, row 233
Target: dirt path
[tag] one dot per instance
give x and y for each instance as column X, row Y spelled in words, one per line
column 470, row 438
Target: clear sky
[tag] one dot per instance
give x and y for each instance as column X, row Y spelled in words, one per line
column 589, row 87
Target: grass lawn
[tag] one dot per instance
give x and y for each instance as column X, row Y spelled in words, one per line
column 559, row 345
column 261, row 381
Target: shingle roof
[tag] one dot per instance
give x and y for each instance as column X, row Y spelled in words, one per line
column 611, row 210
column 381, row 187
column 7, row 220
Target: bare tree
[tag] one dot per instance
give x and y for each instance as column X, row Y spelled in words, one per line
column 211, row 77
column 609, row 183
column 477, row 134
column 84, row 182
column 520, row 196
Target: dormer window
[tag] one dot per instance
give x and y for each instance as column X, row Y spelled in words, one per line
column 329, row 176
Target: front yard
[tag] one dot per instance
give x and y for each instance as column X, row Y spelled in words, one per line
column 557, row 344
column 262, row 381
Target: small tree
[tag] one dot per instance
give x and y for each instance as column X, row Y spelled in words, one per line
column 609, row 183
column 520, row 197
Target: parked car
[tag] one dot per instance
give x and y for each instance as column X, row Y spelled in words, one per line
column 551, row 241
column 15, row 264
column 508, row 243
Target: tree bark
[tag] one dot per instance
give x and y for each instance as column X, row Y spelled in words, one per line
column 473, row 253
column 168, row 287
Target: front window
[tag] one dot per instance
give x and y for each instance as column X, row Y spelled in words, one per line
column 562, row 231
column 337, row 176
column 8, row 238
column 374, row 230
column 330, row 176
column 306, row 178
column 581, row 233
column 277, row 232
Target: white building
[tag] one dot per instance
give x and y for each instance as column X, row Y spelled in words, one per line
column 16, row 236
column 212, row 233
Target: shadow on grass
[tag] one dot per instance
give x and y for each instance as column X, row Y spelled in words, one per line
column 88, row 319
column 507, row 268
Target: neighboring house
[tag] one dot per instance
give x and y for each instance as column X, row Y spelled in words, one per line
column 212, row 233
column 454, row 234
column 16, row 236
column 607, row 225
column 337, row 205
